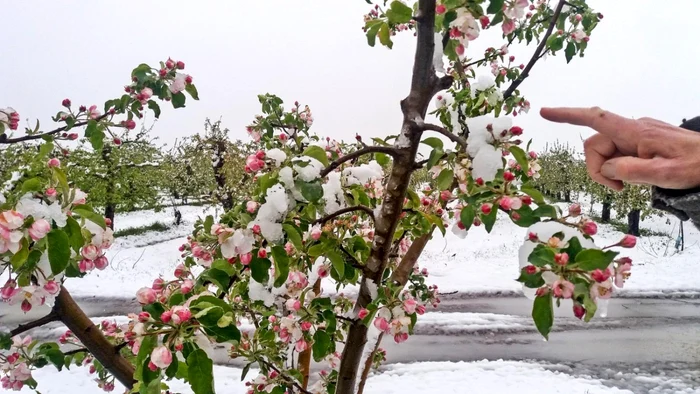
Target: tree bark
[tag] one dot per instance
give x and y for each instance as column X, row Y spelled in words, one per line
column 110, row 205
column 82, row 327
column 304, row 360
column 633, row 222
column 222, row 193
column 424, row 85
column 605, row 215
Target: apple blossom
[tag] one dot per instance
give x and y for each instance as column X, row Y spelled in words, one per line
column 146, row 296
column 39, row 229
column 161, row 357
column 628, row 241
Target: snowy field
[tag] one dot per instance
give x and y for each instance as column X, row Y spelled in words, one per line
column 481, row 265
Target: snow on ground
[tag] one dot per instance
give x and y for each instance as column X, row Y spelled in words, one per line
column 482, row 377
column 482, row 263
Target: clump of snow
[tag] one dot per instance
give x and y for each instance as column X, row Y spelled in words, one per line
column 277, row 155
column 438, row 63
column 258, row 292
column 333, row 193
column 363, row 173
column 486, row 163
column 310, row 171
column 372, row 287
column 271, row 213
column 487, row 83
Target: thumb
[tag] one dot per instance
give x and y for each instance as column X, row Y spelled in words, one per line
column 630, row 169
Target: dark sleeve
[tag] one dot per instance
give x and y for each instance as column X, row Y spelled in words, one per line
column 684, row 204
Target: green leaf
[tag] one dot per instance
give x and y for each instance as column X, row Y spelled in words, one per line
column 555, row 43
column 372, row 33
column 450, row 16
column 59, row 250
column 532, row 192
column 260, row 269
column 435, row 156
column 385, row 36
column 541, row 256
column 32, row 261
column 591, row 307
column 444, row 180
column 490, row 219
column 75, row 236
column 520, row 157
column 495, row 6
column 178, row 100
column 192, row 90
column 467, row 216
column 527, row 218
column 154, row 107
column 382, row 159
column 573, row 249
column 399, row 13
column 281, row 259
column 97, row 139
column 312, row 191
column 338, row 262
column 533, row 281
column 593, row 259
column 148, row 343
column 570, row 51
column 433, row 142
column 18, row 259
column 32, row 185
column 86, row 212
column 322, row 345
column 5, row 340
column 155, row 309
column 56, row 357
column 293, row 236
column 220, row 278
column 545, row 211
column 245, row 370
column 181, row 369
column 200, row 372
column 317, row 153
column 543, row 314
column 223, row 265
column 208, row 222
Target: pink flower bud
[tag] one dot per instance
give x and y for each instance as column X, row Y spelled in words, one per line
column 293, row 304
column 628, row 241
column 504, row 203
column 90, row 252
column 187, row 286
column 579, row 311
column 146, row 296
column 170, row 63
column 162, row 72
column 262, row 253
column 485, row 21
column 530, row 269
column 516, row 130
column 188, row 79
column 158, row 284
column 624, row 260
column 256, row 229
column 161, row 357
column 401, row 337
column 575, row 210
column 180, row 65
column 527, row 200
column 486, row 209
column 600, row 276
column 316, row 233
column 381, row 324
column 39, row 229
column 66, row 103
column 362, row 313
column 183, row 314
column 181, row 270
column 283, row 137
column 561, row 258
column 578, row 17
column 52, row 287
column 86, row 265
column 54, row 162
column 305, row 326
column 508, row 176
column 144, row 317
column 533, row 237
column 440, row 9
column 479, row 181
column 50, row 193
column 542, row 291
column 445, row 195
column 26, row 306
column 590, row 228
column 166, row 316
column 246, row 258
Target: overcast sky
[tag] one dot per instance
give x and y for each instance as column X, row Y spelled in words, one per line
column 641, row 61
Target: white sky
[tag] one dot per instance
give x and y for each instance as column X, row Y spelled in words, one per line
column 641, row 61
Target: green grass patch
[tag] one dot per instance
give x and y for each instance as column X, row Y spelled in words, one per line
column 156, row 226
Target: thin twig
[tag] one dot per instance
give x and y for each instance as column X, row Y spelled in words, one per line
column 538, row 52
column 51, row 317
column 343, row 211
column 453, row 137
column 52, row 132
column 287, row 377
column 364, row 151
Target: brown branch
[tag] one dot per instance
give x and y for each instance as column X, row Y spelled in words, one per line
column 51, row 317
column 400, row 275
column 364, row 151
column 5, row 140
column 76, row 351
column 453, row 137
column 85, row 330
column 368, row 365
column 304, row 359
column 343, row 211
column 538, row 52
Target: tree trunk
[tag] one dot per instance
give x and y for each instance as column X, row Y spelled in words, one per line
column 605, row 215
column 222, row 193
column 304, row 360
column 110, row 205
column 424, row 85
column 567, row 196
column 633, row 222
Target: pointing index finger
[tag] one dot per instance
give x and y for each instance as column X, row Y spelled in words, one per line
column 600, row 120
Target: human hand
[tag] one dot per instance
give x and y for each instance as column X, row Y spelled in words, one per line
column 642, row 151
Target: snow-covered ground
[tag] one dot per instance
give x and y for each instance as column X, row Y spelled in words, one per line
column 481, row 377
column 480, row 264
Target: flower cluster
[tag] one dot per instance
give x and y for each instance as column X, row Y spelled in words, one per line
column 9, row 117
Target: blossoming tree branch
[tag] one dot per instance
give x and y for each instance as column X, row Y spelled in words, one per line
column 321, row 211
